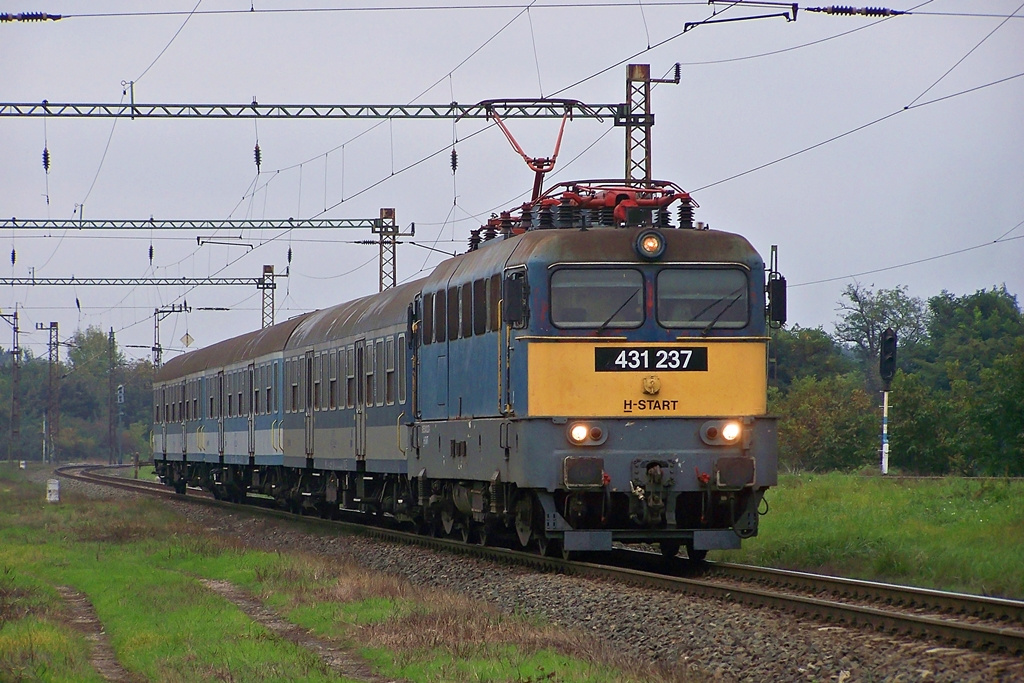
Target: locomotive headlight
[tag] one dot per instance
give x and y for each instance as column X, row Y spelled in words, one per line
column 722, row 432
column 578, row 433
column 585, row 434
column 650, row 244
column 731, row 431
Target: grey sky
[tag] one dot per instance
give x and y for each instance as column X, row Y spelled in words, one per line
column 938, row 177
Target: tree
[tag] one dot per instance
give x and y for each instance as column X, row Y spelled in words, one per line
column 808, row 352
column 866, row 314
column 1000, row 414
column 826, row 424
column 967, row 334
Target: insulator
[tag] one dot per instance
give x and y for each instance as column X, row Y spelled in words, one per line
column 846, row 10
column 78, row 304
column 151, row 254
column 14, row 256
column 46, row 159
column 566, row 214
column 289, row 256
column 664, row 220
column 679, row 72
column 474, row 239
column 686, row 214
column 257, row 156
column 455, row 160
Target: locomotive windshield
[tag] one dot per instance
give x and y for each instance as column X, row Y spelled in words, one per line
column 702, row 298
column 597, row 297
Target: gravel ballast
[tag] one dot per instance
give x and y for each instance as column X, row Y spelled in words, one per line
column 724, row 641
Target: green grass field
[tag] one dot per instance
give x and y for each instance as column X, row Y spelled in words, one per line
column 141, row 568
column 953, row 534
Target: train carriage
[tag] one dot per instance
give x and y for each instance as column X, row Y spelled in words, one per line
column 585, row 374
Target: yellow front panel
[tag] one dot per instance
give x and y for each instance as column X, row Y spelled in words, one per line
column 563, row 382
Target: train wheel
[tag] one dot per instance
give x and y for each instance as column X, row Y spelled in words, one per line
column 669, row 549
column 524, row 519
column 483, row 534
column 548, row 547
column 447, row 519
column 694, row 555
column 466, row 531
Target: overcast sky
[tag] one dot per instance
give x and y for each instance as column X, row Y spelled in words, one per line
column 930, row 160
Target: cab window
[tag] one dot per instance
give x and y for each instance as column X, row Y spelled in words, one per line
column 702, row 297
column 597, row 297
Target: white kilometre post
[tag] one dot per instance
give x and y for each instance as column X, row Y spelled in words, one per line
column 885, row 432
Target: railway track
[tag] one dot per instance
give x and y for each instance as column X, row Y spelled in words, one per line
column 958, row 619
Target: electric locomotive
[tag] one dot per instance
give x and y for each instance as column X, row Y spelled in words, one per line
column 591, row 371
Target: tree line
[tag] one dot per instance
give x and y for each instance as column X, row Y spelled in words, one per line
column 83, row 400
column 956, row 402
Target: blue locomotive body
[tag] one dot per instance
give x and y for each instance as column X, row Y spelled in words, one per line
column 577, row 378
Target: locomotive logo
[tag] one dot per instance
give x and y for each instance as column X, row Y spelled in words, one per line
column 651, row 385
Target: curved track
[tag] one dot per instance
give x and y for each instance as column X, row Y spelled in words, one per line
column 956, row 618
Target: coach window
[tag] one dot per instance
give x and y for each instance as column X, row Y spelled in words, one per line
column 243, row 400
column 428, row 319
column 401, row 368
column 156, row 405
column 453, row 313
column 378, row 359
column 332, row 388
column 316, row 381
column 368, row 362
column 272, row 388
column 467, row 310
column 389, row 372
column 350, row 377
column 597, row 297
column 292, row 382
column 701, row 298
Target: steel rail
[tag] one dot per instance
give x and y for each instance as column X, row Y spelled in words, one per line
column 982, row 606
column 979, row 636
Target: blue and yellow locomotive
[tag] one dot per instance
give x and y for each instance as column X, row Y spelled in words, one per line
column 587, row 373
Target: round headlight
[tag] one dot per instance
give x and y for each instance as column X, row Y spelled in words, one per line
column 650, row 244
column 578, row 433
column 731, row 431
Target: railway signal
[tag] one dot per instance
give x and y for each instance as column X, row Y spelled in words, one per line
column 887, row 370
column 887, row 357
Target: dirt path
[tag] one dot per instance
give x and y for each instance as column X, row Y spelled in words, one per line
column 101, row 655
column 339, row 660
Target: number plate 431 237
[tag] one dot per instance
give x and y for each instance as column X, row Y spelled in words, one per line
column 642, row 358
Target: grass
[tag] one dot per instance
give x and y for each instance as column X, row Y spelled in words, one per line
column 953, row 534
column 140, row 565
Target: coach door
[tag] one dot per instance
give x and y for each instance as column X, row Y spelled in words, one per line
column 219, row 406
column 250, row 378
column 361, row 399
column 181, row 416
column 309, row 403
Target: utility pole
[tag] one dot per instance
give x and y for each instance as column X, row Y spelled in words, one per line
column 111, row 433
column 158, row 315
column 12, row 318
column 638, row 120
column 267, row 286
column 51, row 428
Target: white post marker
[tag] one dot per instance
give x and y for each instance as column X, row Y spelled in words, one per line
column 52, row 490
column 885, row 432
